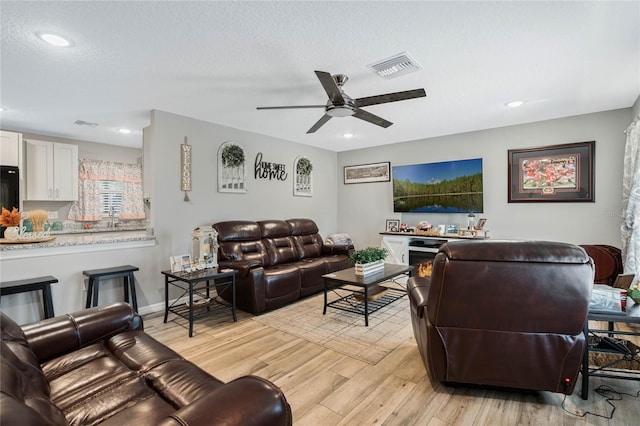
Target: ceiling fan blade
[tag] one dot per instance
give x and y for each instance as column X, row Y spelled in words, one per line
column 319, row 123
column 390, row 97
column 293, row 106
column 371, row 118
column 331, row 87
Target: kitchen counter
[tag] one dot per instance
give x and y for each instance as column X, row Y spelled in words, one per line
column 80, row 242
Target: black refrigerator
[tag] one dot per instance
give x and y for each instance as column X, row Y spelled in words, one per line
column 9, row 190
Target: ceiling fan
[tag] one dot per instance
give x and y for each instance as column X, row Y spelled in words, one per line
column 341, row 105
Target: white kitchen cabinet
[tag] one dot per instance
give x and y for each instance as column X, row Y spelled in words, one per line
column 52, row 171
column 10, row 143
column 398, row 249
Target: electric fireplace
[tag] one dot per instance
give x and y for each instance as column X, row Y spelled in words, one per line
column 421, row 255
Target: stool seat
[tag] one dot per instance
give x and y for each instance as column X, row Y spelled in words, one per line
column 33, row 284
column 96, row 275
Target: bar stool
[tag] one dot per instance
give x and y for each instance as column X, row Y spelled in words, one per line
column 125, row 272
column 33, row 284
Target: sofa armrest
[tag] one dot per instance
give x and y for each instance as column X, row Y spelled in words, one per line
column 242, row 266
column 330, row 249
column 418, row 290
column 65, row 333
column 247, row 401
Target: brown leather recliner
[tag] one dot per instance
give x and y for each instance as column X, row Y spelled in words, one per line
column 277, row 261
column 98, row 366
column 504, row 313
column 607, row 260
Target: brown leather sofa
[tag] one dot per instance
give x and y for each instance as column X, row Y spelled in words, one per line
column 98, row 366
column 504, row 313
column 279, row 261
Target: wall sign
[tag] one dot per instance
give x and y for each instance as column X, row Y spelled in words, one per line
column 267, row 170
column 185, row 168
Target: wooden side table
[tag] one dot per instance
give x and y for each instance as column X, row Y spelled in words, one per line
column 190, row 284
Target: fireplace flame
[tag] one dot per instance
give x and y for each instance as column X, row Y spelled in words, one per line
column 424, row 268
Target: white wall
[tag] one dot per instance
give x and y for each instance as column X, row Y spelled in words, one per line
column 363, row 208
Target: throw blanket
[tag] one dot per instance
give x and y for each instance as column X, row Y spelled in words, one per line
column 339, row 239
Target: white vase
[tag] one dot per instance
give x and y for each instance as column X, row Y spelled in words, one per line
column 12, row 232
column 369, row 268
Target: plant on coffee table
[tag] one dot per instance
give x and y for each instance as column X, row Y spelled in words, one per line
column 368, row 255
column 368, row 260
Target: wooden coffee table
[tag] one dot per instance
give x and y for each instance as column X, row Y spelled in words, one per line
column 355, row 291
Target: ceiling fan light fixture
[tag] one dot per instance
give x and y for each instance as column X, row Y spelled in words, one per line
column 339, row 111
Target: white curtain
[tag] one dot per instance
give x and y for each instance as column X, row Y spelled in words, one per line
column 91, row 172
column 631, row 200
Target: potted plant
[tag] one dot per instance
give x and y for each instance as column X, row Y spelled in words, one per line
column 368, row 260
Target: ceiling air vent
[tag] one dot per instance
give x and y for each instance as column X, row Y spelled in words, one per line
column 85, row 123
column 395, row 66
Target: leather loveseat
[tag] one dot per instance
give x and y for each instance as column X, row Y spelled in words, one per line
column 278, row 261
column 504, row 313
column 98, row 366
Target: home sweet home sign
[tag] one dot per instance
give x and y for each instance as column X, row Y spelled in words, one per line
column 268, row 170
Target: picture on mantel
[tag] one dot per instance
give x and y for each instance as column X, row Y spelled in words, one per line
column 231, row 168
column 303, row 182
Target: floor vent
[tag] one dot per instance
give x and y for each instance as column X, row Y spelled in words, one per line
column 395, row 66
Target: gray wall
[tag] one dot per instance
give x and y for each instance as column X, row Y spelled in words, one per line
column 363, row 208
column 174, row 219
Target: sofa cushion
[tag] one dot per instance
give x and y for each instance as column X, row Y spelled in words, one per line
column 311, row 272
column 281, row 283
column 277, row 241
column 241, row 240
column 308, row 246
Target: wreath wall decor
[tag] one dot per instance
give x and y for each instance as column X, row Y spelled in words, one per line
column 303, row 182
column 231, row 168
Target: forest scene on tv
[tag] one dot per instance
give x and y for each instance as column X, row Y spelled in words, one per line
column 446, row 187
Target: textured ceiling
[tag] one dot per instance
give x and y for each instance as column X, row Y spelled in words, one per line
column 218, row 61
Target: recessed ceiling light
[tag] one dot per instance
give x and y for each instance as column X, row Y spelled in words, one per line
column 347, row 135
column 125, row 131
column 54, row 39
column 515, row 104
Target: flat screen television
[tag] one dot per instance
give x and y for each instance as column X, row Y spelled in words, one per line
column 445, row 187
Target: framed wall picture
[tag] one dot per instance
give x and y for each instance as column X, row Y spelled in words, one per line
column 303, row 182
column 392, row 225
column 365, row 173
column 231, row 168
column 556, row 173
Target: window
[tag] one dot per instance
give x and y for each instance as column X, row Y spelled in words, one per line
column 110, row 197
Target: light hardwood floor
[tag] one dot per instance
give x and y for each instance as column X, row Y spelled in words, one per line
column 327, row 388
